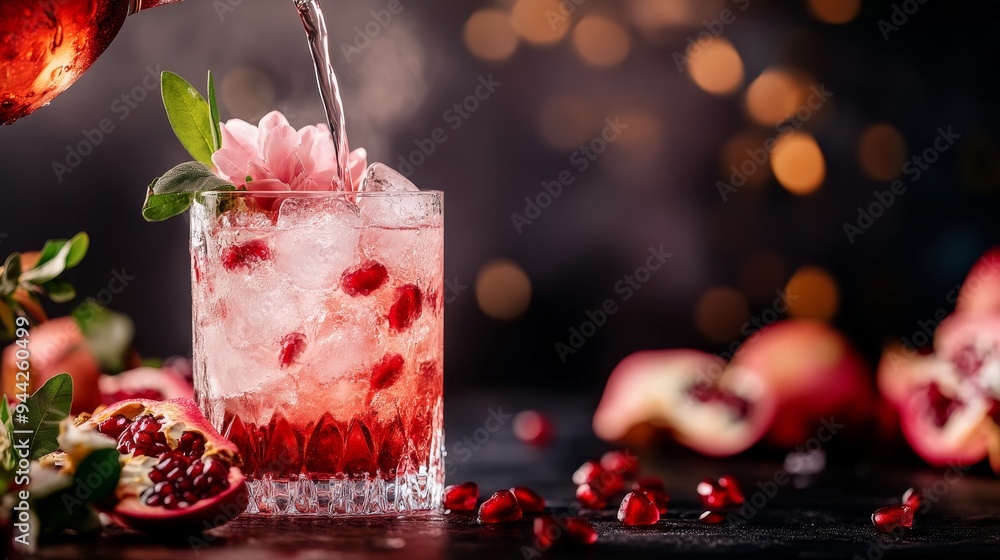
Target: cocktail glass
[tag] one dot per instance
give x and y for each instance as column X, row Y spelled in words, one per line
column 318, row 345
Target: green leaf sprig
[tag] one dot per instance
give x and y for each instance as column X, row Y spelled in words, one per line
column 197, row 125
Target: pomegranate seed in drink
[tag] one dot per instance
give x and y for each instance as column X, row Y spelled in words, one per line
column 365, row 279
column 589, row 497
column 890, row 518
column 406, row 307
column 648, row 483
column 502, row 507
column 245, row 255
column 292, row 345
column 461, row 497
column 711, row 518
column 528, row 499
column 913, row 498
column 658, row 496
column 712, row 494
column 732, row 487
column 386, row 372
column 621, row 462
column 637, row 510
column 587, row 473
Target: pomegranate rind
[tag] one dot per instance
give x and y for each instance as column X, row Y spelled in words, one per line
column 199, row 516
column 169, row 384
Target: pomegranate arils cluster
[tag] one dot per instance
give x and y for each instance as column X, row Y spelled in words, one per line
column 461, row 497
column 245, row 255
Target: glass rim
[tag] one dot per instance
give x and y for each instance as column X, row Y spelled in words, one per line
column 317, row 194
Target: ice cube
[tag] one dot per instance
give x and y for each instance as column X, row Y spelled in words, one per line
column 317, row 240
column 386, row 210
column 379, row 177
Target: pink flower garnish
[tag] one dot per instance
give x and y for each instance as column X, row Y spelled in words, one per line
column 276, row 157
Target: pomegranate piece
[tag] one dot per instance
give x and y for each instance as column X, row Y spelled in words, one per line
column 528, row 499
column 732, row 487
column 501, row 507
column 365, row 279
column 658, row 497
column 913, row 498
column 461, row 497
column 245, row 255
column 386, row 372
column 637, row 510
column 144, row 383
column 548, row 531
column 406, row 308
column 891, row 518
column 712, row 494
column 587, row 473
column 621, row 462
column 590, row 498
column 711, row 518
column 532, row 427
column 648, row 483
column 195, row 482
column 580, row 530
column 292, row 345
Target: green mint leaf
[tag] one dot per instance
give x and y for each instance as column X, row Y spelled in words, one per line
column 97, row 475
column 213, row 113
column 11, row 274
column 7, row 457
column 170, row 195
column 108, row 334
column 46, row 408
column 68, row 255
column 52, row 247
column 188, row 113
column 159, row 207
column 59, row 291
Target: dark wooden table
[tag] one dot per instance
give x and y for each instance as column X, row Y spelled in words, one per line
column 823, row 516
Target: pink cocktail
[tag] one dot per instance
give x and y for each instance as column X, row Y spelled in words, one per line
column 318, row 330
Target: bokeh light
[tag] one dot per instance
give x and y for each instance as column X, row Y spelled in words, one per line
column 721, row 313
column 798, row 163
column 489, row 35
column 736, row 152
column 715, row 66
column 531, row 426
column 835, row 11
column 247, row 93
column 503, row 290
column 600, row 41
column 882, row 152
column 762, row 274
column 643, row 144
column 541, row 22
column 812, row 294
column 773, row 96
column 567, row 121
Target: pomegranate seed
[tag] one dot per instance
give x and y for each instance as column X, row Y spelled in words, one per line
column 712, row 494
column 648, row 483
column 406, row 307
column 143, row 437
column 529, row 501
column 292, row 345
column 587, row 473
column 114, row 426
column 609, row 483
column 913, row 498
column 580, row 530
column 532, row 427
column 386, row 372
column 890, row 518
column 365, row 279
column 546, row 531
column 500, row 508
column 245, row 255
column 589, row 497
column 621, row 462
column 461, row 497
column 636, row 509
column 732, row 487
column 711, row 518
column 658, row 497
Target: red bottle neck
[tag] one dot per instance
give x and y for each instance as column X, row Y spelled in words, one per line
column 136, row 5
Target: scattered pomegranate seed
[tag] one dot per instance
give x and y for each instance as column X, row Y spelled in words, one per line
column 621, row 462
column 461, row 497
column 580, row 530
column 636, row 509
column 648, row 483
column 589, row 497
column 732, row 487
column 712, row 494
column 546, row 531
column 365, row 279
column 406, row 307
column 532, row 427
column 658, row 496
column 711, row 518
column 386, row 372
column 500, row 508
column 292, row 345
column 245, row 255
column 913, row 498
column 890, row 518
column 528, row 499
column 587, row 473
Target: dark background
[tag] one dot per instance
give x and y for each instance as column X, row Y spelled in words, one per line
column 656, row 185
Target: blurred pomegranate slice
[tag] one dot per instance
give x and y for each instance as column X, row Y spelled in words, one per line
column 980, row 292
column 144, row 383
